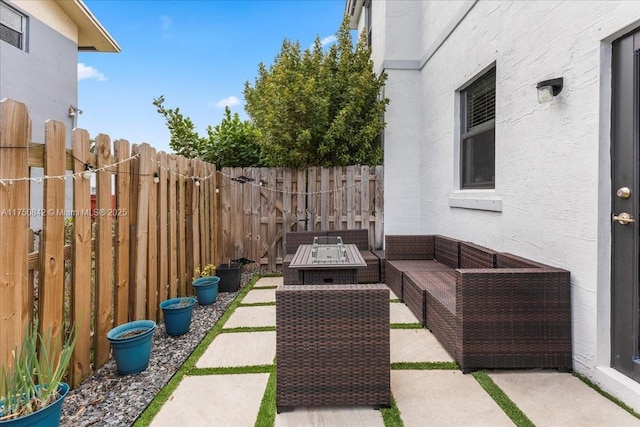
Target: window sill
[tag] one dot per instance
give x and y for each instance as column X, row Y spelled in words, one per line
column 484, row 200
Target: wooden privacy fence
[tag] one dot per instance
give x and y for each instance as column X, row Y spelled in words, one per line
column 121, row 260
column 259, row 205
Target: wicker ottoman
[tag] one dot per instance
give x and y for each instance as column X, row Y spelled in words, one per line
column 332, row 346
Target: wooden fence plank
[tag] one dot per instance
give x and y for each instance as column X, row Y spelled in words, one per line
column 122, row 152
column 256, row 236
column 142, row 235
column 324, row 198
column 195, row 215
column 104, row 248
column 312, row 203
column 338, row 196
column 183, row 278
column 379, row 207
column 152, row 246
column 163, row 230
column 172, row 222
column 351, row 198
column 364, row 201
column 81, row 273
column 246, row 214
column 14, row 132
column 51, row 283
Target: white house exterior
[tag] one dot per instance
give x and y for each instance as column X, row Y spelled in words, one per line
column 552, row 191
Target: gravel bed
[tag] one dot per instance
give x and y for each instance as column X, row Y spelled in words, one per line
column 109, row 399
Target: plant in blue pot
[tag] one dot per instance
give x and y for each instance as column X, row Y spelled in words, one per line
column 131, row 343
column 32, row 390
column 177, row 314
column 206, row 284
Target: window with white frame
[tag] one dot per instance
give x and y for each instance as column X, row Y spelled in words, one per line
column 477, row 136
column 12, row 26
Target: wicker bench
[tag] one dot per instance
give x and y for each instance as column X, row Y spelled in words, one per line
column 360, row 238
column 488, row 309
column 332, row 346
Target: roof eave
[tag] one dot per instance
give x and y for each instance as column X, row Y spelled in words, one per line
column 92, row 36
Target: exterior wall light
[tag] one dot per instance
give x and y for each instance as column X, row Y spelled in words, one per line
column 547, row 89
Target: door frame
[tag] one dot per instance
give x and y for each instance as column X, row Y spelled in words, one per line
column 625, row 172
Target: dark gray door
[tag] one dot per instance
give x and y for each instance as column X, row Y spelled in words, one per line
column 626, row 197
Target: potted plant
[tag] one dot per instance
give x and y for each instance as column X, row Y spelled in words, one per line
column 230, row 274
column 206, row 284
column 131, row 343
column 177, row 314
column 32, row 390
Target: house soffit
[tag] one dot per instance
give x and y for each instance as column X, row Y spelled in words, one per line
column 92, row 36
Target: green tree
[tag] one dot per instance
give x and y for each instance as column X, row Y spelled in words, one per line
column 233, row 143
column 184, row 138
column 236, row 143
column 319, row 108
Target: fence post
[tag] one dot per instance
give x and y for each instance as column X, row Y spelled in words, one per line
column 14, row 229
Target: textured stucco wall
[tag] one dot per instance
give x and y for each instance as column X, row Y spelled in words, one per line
column 44, row 78
column 552, row 159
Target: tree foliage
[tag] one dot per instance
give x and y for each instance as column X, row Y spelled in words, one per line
column 319, row 108
column 235, row 143
column 232, row 143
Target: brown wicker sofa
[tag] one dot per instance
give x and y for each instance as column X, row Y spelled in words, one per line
column 360, row 238
column 488, row 309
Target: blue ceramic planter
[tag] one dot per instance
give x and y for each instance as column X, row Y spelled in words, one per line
column 49, row 416
column 206, row 289
column 131, row 343
column 177, row 314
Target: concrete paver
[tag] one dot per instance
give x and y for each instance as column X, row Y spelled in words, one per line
column 443, row 398
column 252, row 317
column 560, row 399
column 239, row 349
column 264, row 282
column 259, row 295
column 330, row 417
column 400, row 313
column 214, row 400
column 416, row 345
column 424, row 397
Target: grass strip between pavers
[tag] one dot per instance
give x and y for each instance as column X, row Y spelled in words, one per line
column 232, row 370
column 507, row 405
column 391, row 416
column 258, row 304
column 267, row 412
column 165, row 392
column 418, row 366
column 248, row 329
column 607, row 395
column 406, row 326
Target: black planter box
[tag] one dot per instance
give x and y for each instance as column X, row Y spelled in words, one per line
column 229, row 275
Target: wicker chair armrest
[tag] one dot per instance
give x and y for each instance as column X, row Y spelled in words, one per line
column 399, row 247
column 524, row 289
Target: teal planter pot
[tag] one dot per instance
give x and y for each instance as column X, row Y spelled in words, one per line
column 49, row 416
column 206, row 289
column 131, row 344
column 177, row 314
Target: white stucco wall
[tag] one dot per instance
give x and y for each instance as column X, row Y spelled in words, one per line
column 552, row 159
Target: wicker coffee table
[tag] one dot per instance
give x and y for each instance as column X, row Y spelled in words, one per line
column 332, row 346
column 328, row 261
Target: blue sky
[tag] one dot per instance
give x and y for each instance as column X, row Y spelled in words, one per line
column 198, row 54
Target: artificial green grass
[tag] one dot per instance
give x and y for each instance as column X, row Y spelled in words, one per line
column 607, row 395
column 508, row 406
column 232, row 370
column 258, row 304
column 248, row 329
column 391, row 416
column 267, row 412
column 416, row 366
column 406, row 326
column 188, row 366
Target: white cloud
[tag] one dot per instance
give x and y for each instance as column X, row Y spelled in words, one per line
column 328, row 40
column 227, row 102
column 88, row 72
column 166, row 22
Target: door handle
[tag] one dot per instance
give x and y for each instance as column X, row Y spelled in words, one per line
column 623, row 218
